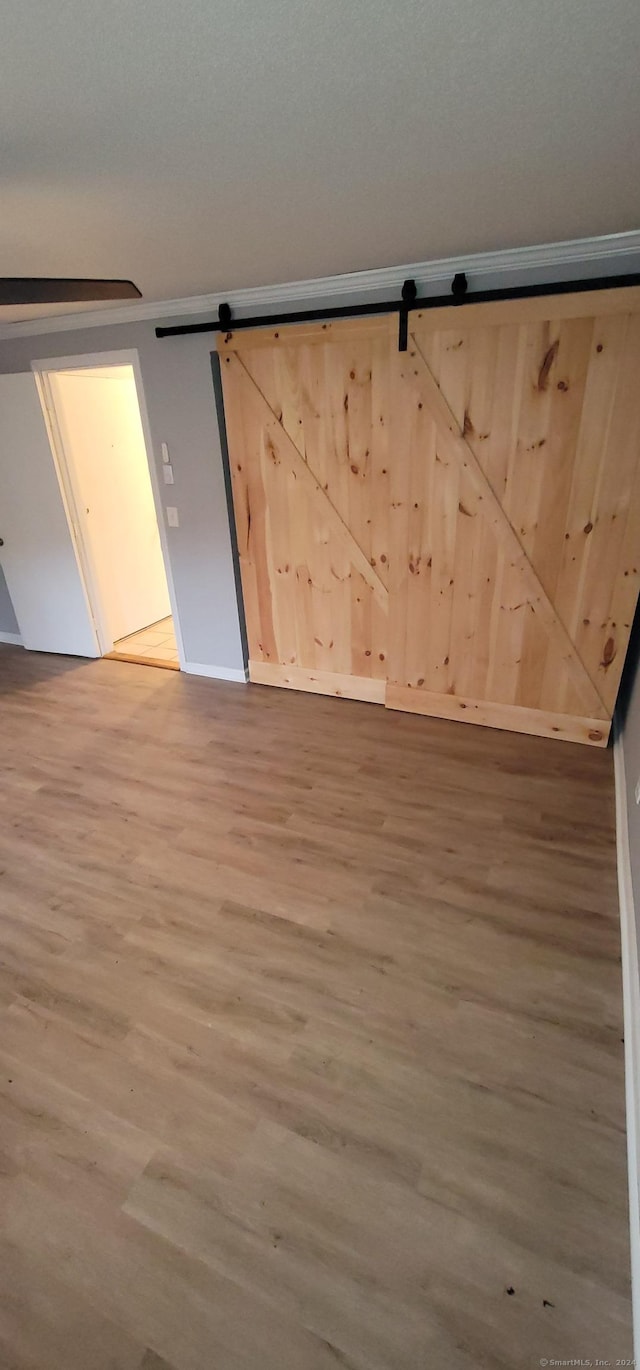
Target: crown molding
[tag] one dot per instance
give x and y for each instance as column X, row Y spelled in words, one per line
column 577, row 257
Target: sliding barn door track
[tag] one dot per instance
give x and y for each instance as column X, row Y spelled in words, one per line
column 408, row 301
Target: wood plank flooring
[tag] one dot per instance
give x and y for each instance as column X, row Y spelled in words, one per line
column 310, row 1034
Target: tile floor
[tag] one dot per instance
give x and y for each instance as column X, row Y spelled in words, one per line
column 157, row 641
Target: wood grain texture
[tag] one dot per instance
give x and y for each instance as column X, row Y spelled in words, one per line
column 318, row 682
column 138, row 660
column 537, row 722
column 483, row 502
column 279, row 449
column 310, row 1021
column 547, row 415
column 461, row 519
column 584, row 304
column 307, row 468
column 349, row 330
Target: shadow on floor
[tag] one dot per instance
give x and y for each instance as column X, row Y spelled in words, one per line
column 19, row 669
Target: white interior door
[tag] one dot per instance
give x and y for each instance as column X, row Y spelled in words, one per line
column 38, row 556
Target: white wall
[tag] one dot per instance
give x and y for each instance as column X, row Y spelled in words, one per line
column 627, row 759
column 629, row 724
column 99, row 421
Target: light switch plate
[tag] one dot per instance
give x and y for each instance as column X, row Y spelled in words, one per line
column 638, row 791
column 165, row 452
column 167, row 472
column 172, row 517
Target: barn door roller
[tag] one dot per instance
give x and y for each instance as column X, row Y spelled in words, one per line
column 409, row 300
column 409, row 294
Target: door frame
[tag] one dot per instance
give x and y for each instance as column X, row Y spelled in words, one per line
column 42, row 370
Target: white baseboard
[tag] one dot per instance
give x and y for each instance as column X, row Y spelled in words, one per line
column 13, row 638
column 216, row 672
column 631, row 1002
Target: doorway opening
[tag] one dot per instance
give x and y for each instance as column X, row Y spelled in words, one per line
column 98, row 435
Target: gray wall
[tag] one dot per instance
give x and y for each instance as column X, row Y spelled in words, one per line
column 180, row 400
column 8, row 620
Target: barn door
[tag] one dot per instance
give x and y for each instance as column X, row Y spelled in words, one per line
column 307, row 413
column 515, row 529
column 454, row 530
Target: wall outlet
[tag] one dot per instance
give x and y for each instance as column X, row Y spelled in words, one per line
column 172, row 517
column 638, row 790
column 167, row 472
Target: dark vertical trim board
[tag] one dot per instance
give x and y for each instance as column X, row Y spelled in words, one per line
column 224, row 448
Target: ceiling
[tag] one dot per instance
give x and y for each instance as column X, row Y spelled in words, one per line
column 204, row 145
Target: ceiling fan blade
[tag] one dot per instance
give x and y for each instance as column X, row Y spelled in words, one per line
column 17, row 290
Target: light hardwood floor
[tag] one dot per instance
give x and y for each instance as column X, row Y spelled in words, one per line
column 310, row 1034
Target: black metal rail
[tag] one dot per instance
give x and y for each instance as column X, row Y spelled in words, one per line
column 410, row 300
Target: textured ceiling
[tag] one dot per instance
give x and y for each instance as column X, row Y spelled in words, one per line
column 196, row 145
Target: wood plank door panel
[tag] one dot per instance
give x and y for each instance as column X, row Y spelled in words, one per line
column 534, row 423
column 308, row 440
column 454, row 530
column 492, row 647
